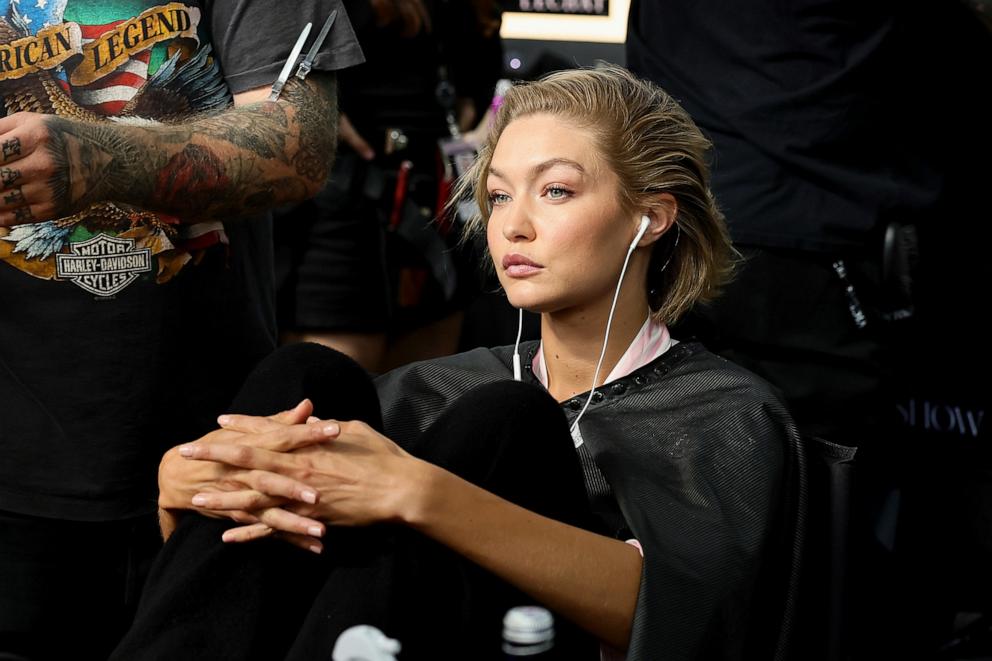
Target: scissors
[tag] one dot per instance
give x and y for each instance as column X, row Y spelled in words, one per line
column 307, row 63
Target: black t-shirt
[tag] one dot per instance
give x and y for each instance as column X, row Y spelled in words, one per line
column 397, row 85
column 829, row 118
column 123, row 333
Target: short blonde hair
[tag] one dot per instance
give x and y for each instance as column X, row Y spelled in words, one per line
column 654, row 147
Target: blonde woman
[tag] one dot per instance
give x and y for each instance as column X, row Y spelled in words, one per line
column 656, row 514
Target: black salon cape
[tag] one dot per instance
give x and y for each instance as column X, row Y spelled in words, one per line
column 706, row 468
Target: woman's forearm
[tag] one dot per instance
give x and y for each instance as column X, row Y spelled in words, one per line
column 591, row 579
column 364, row 478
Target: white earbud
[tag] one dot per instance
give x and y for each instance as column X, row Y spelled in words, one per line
column 645, row 223
column 576, row 435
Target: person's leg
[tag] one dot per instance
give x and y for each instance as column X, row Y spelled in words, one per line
column 209, row 600
column 509, row 438
column 338, row 387
column 366, row 349
column 333, row 286
column 67, row 587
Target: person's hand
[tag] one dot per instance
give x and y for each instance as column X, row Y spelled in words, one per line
column 351, row 137
column 361, row 476
column 262, row 494
column 34, row 184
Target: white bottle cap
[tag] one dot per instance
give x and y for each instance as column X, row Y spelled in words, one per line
column 528, row 625
column 364, row 643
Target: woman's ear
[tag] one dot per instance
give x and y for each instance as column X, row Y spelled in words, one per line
column 660, row 211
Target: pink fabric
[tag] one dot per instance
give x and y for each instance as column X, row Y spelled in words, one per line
column 650, row 342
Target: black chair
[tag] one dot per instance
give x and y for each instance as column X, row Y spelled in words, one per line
column 820, row 630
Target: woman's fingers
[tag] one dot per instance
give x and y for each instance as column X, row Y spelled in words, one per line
column 304, row 542
column 242, row 456
column 295, row 415
column 267, row 490
column 220, row 436
column 274, row 484
column 256, row 424
column 247, row 533
column 241, row 517
column 276, row 519
column 290, row 522
column 282, row 439
column 247, row 500
column 260, row 531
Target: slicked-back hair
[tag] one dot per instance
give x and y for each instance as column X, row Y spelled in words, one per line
column 653, row 147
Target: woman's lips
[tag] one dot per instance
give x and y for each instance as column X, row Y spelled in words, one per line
column 518, row 266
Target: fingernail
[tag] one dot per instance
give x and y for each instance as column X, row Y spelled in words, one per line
column 315, row 548
column 309, row 496
column 199, row 500
column 227, row 536
column 186, row 451
column 331, row 429
column 315, row 531
column 223, row 420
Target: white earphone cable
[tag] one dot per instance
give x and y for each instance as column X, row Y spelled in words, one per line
column 516, row 346
column 609, row 322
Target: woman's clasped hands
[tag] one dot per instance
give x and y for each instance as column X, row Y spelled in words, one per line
column 289, row 475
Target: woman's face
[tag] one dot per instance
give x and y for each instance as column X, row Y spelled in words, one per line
column 557, row 233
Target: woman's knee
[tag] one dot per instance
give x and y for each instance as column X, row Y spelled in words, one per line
column 338, row 386
column 501, row 436
column 496, row 416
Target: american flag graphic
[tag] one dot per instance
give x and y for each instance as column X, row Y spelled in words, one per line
column 108, row 95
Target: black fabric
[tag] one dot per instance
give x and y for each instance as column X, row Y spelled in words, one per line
column 251, row 63
column 397, row 85
column 787, row 317
column 69, row 589
column 707, row 469
column 820, row 622
column 817, row 108
column 267, row 600
column 330, row 257
column 826, row 143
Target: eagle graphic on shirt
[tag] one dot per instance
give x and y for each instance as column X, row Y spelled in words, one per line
column 118, row 61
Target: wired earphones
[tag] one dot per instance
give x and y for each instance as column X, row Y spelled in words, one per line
column 574, row 429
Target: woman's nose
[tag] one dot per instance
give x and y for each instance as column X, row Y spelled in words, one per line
column 517, row 223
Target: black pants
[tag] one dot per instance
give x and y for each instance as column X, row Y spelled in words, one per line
column 330, row 257
column 68, row 589
column 268, row 600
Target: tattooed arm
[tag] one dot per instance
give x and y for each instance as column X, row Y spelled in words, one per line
column 242, row 160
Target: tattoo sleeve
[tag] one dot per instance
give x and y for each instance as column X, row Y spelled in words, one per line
column 236, row 162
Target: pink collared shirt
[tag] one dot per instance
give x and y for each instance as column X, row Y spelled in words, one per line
column 650, row 342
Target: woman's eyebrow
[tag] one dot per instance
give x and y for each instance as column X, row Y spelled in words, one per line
column 553, row 162
column 544, row 166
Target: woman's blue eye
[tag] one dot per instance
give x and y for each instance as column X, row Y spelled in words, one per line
column 498, row 198
column 557, row 192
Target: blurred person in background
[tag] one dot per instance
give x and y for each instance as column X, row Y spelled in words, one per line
column 140, row 159
column 364, row 267
column 844, row 137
